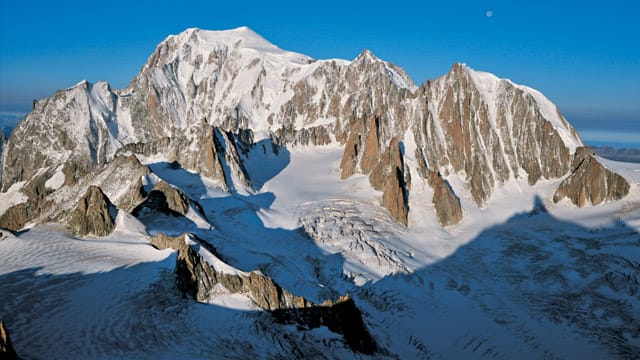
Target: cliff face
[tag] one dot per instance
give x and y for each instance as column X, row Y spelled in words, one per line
column 384, row 163
column 590, row 183
column 491, row 129
column 447, row 204
column 166, row 199
column 94, row 215
column 203, row 96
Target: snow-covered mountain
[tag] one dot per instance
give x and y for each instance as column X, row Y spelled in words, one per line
column 283, row 183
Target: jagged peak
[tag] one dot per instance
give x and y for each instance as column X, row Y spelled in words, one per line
column 82, row 84
column 490, row 85
column 396, row 74
column 367, row 55
column 481, row 78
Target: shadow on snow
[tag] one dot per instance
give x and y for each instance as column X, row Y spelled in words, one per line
column 533, row 279
column 137, row 311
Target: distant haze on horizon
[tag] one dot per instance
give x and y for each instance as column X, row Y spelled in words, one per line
column 583, row 55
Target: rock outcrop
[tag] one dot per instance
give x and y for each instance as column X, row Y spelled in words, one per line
column 341, row 317
column 36, row 191
column 352, row 150
column 54, row 197
column 94, row 215
column 6, row 348
column 200, row 273
column 235, row 174
column 395, row 193
column 121, row 181
column 371, row 153
column 365, row 152
column 165, row 199
column 16, row 217
column 590, row 182
column 446, row 202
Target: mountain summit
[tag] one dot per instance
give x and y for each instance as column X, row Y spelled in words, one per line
column 466, row 124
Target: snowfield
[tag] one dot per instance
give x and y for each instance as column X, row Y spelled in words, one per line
column 521, row 278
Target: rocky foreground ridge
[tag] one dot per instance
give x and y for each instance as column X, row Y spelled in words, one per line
column 204, row 98
column 200, row 273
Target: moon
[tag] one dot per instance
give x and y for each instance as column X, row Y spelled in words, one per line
column 489, row 13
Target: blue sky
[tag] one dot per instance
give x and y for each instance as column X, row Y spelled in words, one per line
column 584, row 55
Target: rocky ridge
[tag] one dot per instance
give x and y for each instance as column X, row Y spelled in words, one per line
column 200, row 273
column 52, row 197
column 36, row 200
column 203, row 96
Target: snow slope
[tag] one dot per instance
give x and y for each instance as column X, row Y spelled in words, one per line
column 115, row 297
column 505, row 283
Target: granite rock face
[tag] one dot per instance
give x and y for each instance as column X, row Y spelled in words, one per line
column 196, row 149
column 383, row 162
column 166, row 199
column 16, row 217
column 490, row 129
column 121, row 181
column 447, row 204
column 395, row 192
column 590, row 183
column 94, row 215
column 352, row 150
